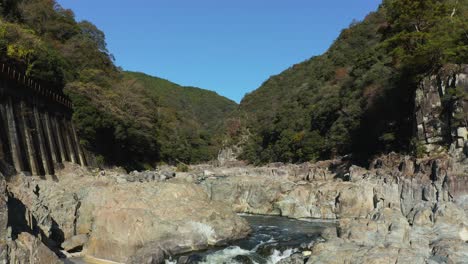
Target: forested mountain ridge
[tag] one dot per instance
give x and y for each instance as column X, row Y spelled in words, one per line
column 117, row 117
column 190, row 119
column 206, row 106
column 358, row 97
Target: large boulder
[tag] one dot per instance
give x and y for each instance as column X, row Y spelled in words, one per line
column 327, row 200
column 309, row 201
column 340, row 251
column 355, row 201
column 53, row 206
column 280, row 196
column 388, row 227
column 249, row 194
column 28, row 249
column 118, row 220
column 124, row 219
column 386, row 236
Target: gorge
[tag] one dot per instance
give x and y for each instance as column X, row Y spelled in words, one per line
column 400, row 210
column 359, row 155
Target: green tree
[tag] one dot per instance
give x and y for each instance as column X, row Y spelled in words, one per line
column 426, row 34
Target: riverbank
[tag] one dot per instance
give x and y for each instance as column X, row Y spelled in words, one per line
column 399, row 209
column 105, row 218
column 273, row 238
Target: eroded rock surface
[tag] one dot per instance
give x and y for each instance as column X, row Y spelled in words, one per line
column 400, row 210
column 21, row 247
column 175, row 217
column 127, row 222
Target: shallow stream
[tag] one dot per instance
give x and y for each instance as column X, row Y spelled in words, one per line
column 273, row 238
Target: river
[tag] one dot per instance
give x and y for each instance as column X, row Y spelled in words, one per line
column 273, row 238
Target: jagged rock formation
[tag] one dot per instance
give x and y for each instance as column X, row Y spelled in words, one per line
column 400, row 210
column 22, row 247
column 3, row 219
column 334, row 190
column 228, row 155
column 441, row 109
column 108, row 216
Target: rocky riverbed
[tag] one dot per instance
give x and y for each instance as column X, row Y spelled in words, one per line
column 399, row 210
column 122, row 221
column 273, row 239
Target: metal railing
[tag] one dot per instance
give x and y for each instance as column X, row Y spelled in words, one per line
column 22, row 79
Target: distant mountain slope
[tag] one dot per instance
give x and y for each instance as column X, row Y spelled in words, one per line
column 189, row 119
column 357, row 98
column 207, row 107
column 154, row 119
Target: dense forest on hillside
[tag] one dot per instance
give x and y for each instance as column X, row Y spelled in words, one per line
column 190, row 120
column 125, row 118
column 357, row 98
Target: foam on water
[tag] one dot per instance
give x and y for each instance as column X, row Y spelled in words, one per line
column 278, row 255
column 272, row 239
column 226, row 255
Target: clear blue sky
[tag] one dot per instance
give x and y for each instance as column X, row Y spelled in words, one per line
column 228, row 46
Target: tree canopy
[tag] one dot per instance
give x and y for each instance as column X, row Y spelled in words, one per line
column 358, row 97
column 124, row 118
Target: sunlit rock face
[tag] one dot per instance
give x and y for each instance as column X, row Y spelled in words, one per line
column 404, row 207
column 123, row 221
column 438, row 109
column 19, row 247
column 400, row 209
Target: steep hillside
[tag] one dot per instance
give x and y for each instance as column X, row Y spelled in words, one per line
column 357, row 98
column 127, row 119
column 190, row 119
column 207, row 107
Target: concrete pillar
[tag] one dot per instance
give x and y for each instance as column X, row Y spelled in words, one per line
column 78, row 146
column 58, row 134
column 41, row 142
column 3, row 140
column 68, row 141
column 50, row 138
column 13, row 137
column 2, row 146
column 5, row 149
column 28, row 138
